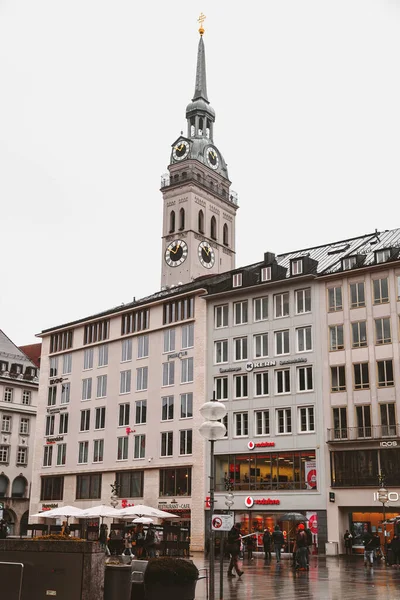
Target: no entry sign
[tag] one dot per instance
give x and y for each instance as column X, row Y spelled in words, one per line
column 222, row 522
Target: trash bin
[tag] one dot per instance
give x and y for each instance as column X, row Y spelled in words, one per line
column 117, row 582
column 138, row 568
column 332, row 548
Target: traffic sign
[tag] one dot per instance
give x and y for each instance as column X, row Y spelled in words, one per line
column 222, row 522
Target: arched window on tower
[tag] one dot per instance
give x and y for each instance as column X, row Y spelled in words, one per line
column 172, row 221
column 201, row 221
column 213, row 228
column 226, row 235
column 207, row 129
column 181, row 219
column 192, row 127
column 200, row 126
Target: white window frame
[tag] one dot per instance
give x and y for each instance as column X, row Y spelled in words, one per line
column 304, row 337
column 63, row 423
column 348, row 263
column 22, row 455
column 83, row 452
column 67, row 363
column 265, row 423
column 125, row 382
column 142, row 406
column 240, row 349
column 285, row 416
column 84, row 423
column 53, row 366
column 65, row 392
column 309, row 413
column 363, row 384
column 186, row 403
column 9, row 394
column 382, row 256
column 382, row 299
column 166, row 436
column 221, row 351
column 339, row 387
column 88, row 356
column 240, row 313
column 24, row 426
column 260, row 341
column 50, row 425
column 168, row 373
column 5, row 453
column 284, row 381
column 387, row 382
column 100, row 418
column 260, row 309
column 282, row 338
column 188, row 336
column 26, row 397
column 358, row 326
column 241, row 420
column 61, row 455
column 356, row 287
column 167, row 406
column 126, row 350
column 186, row 436
column 187, row 370
column 143, row 343
column 142, row 379
column 297, row 266
column 98, row 451
column 380, row 337
column 305, row 370
column 47, row 456
column 221, row 315
column 139, row 446
column 122, row 448
column 237, row 279
column 336, row 304
column 281, row 301
column 102, row 356
column 124, row 414
column 304, row 298
column 221, row 388
column 266, row 274
column 6, row 424
column 101, row 391
column 244, row 387
column 263, row 378
column 169, row 340
column 86, row 388
column 335, row 332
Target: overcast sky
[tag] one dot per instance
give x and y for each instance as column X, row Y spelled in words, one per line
column 93, row 93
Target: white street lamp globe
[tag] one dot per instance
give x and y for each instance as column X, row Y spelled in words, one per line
column 212, row 430
column 383, row 495
column 213, row 410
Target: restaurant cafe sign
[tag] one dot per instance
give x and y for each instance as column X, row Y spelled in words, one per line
column 173, row 506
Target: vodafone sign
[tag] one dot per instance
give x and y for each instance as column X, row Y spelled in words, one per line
column 252, row 445
column 249, row 501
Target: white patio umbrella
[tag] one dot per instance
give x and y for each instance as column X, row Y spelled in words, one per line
column 100, row 511
column 61, row 511
column 141, row 510
column 143, row 520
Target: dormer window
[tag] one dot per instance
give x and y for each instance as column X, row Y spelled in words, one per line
column 237, row 280
column 349, row 262
column 16, row 369
column 382, row 256
column 266, row 274
column 297, row 266
column 3, row 365
column 30, row 372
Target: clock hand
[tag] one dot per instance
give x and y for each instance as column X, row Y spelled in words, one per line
column 176, row 249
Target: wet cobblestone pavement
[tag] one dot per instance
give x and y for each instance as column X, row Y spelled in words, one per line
column 330, row 578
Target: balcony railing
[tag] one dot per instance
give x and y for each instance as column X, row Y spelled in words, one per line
column 373, row 432
column 178, row 179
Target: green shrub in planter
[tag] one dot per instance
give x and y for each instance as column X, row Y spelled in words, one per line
column 170, row 578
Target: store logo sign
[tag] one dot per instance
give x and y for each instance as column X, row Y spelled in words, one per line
column 249, row 501
column 389, row 444
column 261, row 364
column 252, row 445
column 392, row 497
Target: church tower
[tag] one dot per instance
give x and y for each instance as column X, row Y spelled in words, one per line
column 199, row 207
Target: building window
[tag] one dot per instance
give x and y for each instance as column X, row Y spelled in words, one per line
column 306, row 419
column 281, row 305
column 382, row 255
column 336, row 341
column 187, row 369
column 260, row 309
column 167, row 443
column 8, row 394
column 122, row 451
column 53, row 366
column 381, row 290
column 182, row 218
column 86, row 389
column 143, row 346
column 260, row 345
column 338, row 379
column 261, row 418
column 63, row 424
column 283, row 420
column 361, row 376
column 266, row 274
column 103, row 355
column 67, row 364
column 88, row 359
column 221, row 316
column 240, row 386
column 24, row 426
column 388, row 419
column 100, row 418
column 141, row 412
column 98, row 450
column 185, row 441
column 241, row 424
column 304, row 339
column 303, row 301
column 47, row 456
column 200, row 221
column 96, row 332
column 61, row 341
column 26, row 397
column 126, row 350
column 139, row 446
column 83, row 452
column 172, row 221
column 385, row 373
column 261, row 385
column 282, row 342
column 398, row 287
column 363, row 415
column 61, row 454
column 168, row 373
column 237, row 280
column 221, row 351
column 340, row 423
column 169, row 340
column 125, row 382
column 52, row 488
column 188, row 336
column 359, row 334
column 88, row 486
column 176, row 482
column 335, row 299
column 49, row 425
column 221, row 388
column 305, row 379
column 357, row 294
column 297, row 266
column 240, row 348
column 213, row 228
column 382, row 331
column 225, row 235
column 282, row 381
column 85, row 420
column 349, row 262
column 240, row 311
column 6, row 422
column 51, row 395
column 178, row 310
column 65, row 392
column 130, row 483
column 186, row 406
column 124, row 414
column 138, row 320
column 101, row 386
column 167, row 408
column 4, row 451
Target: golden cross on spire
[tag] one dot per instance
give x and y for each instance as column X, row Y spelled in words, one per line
column 201, row 21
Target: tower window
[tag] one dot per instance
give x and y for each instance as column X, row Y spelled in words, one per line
column 172, row 221
column 200, row 132
column 201, row 221
column 226, row 235
column 213, row 228
column 192, row 127
column 181, row 219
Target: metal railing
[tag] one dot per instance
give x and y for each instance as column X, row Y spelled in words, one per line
column 372, row 432
column 167, row 181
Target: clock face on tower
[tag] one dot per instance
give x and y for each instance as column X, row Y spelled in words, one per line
column 206, row 255
column 212, row 157
column 181, row 150
column 176, row 253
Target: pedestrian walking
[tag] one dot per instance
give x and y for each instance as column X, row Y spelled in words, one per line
column 128, row 543
column 267, row 544
column 150, row 541
column 368, row 549
column 250, row 545
column 348, row 542
column 301, row 548
column 278, row 540
column 395, row 548
column 234, row 541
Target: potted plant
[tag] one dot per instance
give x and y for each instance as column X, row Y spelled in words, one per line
column 170, row 579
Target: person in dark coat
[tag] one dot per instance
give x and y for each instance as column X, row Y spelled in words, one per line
column 368, row 542
column 348, row 542
column 301, row 548
column 278, row 540
column 250, row 546
column 395, row 548
column 267, row 544
column 234, row 538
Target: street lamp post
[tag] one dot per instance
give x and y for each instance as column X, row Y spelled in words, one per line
column 212, row 429
column 383, row 496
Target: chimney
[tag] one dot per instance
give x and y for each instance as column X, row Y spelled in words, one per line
column 269, row 258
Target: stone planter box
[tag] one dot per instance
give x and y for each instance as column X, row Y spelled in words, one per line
column 64, row 570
